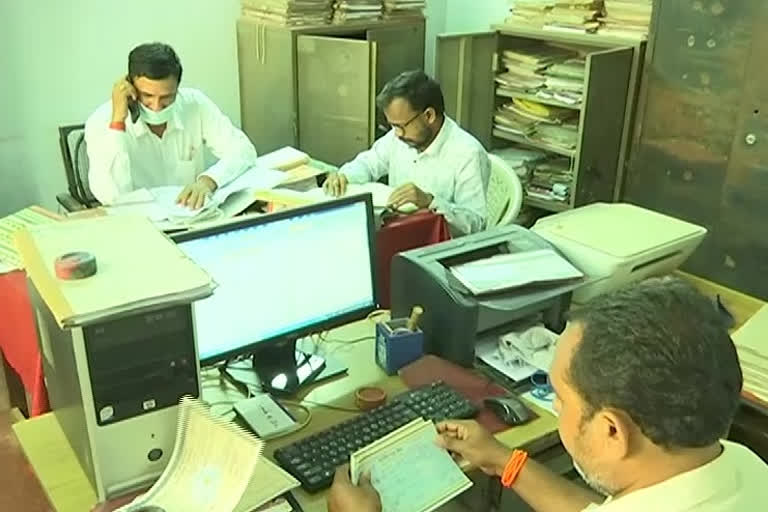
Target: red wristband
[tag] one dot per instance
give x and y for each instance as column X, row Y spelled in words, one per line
column 117, row 125
column 513, row 467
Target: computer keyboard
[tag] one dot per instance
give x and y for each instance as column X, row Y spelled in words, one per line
column 313, row 460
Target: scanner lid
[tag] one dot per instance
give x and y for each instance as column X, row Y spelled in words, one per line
column 619, row 229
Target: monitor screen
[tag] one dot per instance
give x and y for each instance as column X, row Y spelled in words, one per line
column 283, row 275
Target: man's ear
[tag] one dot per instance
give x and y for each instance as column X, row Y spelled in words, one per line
column 615, row 431
column 430, row 115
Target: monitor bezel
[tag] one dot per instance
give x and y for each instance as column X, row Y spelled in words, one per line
column 324, row 325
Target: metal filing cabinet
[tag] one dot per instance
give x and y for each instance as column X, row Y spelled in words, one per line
column 314, row 87
column 700, row 150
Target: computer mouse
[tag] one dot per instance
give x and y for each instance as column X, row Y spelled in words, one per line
column 509, row 409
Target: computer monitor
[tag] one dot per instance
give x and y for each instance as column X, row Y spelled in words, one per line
column 281, row 277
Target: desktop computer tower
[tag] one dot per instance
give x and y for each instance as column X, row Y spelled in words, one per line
column 114, row 388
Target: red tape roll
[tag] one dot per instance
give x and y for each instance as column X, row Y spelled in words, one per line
column 75, row 265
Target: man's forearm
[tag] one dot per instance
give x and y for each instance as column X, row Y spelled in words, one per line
column 546, row 491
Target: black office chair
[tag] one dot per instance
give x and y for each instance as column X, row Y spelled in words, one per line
column 75, row 158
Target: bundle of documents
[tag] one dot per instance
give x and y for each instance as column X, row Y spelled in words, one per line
column 627, row 18
column 356, row 10
column 551, row 179
column 23, row 219
column 288, row 12
column 210, row 468
column 574, row 16
column 507, row 271
column 529, row 13
column 408, row 470
column 539, row 112
column 752, row 347
column 399, row 9
column 510, row 122
column 143, row 270
column 525, row 68
column 519, row 158
column 561, row 136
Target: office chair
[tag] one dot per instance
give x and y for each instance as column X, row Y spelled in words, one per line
column 505, row 194
column 75, row 158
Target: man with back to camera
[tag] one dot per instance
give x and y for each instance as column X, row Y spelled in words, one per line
column 647, row 382
column 430, row 160
column 164, row 146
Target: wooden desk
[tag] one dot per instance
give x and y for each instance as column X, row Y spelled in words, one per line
column 68, row 489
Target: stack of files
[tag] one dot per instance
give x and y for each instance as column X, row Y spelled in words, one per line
column 409, row 470
column 752, row 347
column 564, row 82
column 562, row 136
column 519, row 158
column 575, row 16
column 627, row 18
column 539, row 112
column 288, row 12
column 551, row 180
column 356, row 10
column 399, row 9
column 525, row 67
column 512, row 123
column 144, row 270
column 529, row 13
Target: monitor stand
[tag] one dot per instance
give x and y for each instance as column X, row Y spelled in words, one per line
column 282, row 369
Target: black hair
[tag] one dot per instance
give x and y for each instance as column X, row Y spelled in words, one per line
column 415, row 86
column 660, row 352
column 155, row 61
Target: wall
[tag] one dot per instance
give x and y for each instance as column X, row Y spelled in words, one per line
column 60, row 59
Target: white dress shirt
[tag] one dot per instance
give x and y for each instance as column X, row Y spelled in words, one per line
column 454, row 168
column 736, row 481
column 120, row 162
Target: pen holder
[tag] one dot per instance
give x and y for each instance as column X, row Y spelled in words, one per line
column 396, row 346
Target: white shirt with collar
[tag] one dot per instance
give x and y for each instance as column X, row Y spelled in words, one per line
column 120, row 162
column 454, row 168
column 736, row 481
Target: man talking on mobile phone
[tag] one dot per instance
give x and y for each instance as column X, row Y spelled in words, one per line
column 152, row 134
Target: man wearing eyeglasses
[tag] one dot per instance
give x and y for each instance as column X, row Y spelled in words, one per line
column 431, row 162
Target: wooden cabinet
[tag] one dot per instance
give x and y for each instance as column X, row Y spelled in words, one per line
column 314, row 87
column 467, row 64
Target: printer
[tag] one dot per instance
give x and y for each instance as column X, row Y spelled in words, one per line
column 617, row 244
column 453, row 318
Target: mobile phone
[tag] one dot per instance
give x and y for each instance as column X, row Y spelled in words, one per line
column 133, row 108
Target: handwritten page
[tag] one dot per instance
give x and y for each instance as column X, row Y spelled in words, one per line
column 380, row 192
column 410, row 472
column 28, row 217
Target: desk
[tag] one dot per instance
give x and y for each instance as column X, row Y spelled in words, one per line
column 67, row 487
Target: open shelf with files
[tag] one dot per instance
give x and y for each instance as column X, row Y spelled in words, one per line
column 556, row 106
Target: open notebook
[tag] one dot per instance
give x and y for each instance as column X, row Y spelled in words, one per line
column 378, row 191
column 408, row 470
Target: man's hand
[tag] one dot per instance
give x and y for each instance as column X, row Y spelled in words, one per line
column 346, row 497
column 475, row 444
column 121, row 91
column 336, row 184
column 409, row 193
column 193, row 196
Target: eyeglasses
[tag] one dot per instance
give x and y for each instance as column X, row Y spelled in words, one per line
column 404, row 125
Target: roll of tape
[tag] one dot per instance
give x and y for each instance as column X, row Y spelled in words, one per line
column 369, row 398
column 75, row 265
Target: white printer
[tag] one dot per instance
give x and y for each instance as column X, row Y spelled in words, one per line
column 619, row 243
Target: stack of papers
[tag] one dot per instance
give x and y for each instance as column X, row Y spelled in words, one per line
column 563, row 136
column 507, row 271
column 143, row 270
column 356, row 10
column 550, row 179
column 529, row 13
column 379, row 192
column 574, row 16
column 627, row 18
column 752, row 346
column 525, row 66
column 288, row 12
column 519, row 158
column 23, row 219
column 564, row 82
column 399, row 9
column 408, row 470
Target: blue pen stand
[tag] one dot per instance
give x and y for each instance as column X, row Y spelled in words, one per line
column 396, row 346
